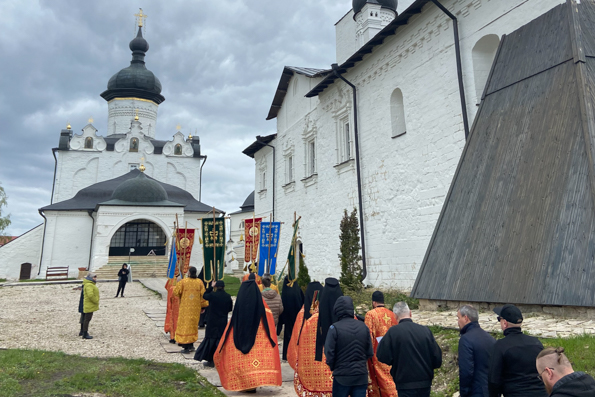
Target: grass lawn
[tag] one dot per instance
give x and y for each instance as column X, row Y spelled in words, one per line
column 43, row 373
column 232, row 285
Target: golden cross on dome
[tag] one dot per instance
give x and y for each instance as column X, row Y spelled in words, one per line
column 90, row 120
column 178, row 127
column 136, row 114
column 141, row 17
column 142, row 167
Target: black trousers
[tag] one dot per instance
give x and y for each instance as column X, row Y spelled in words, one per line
column 88, row 317
column 121, row 286
column 425, row 392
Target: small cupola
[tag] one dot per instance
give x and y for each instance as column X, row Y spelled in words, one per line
column 371, row 16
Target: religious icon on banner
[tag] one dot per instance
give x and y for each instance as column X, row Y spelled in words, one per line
column 184, row 243
column 213, row 247
column 269, row 242
column 252, row 233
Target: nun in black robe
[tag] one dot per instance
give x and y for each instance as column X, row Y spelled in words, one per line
column 326, row 316
column 292, row 298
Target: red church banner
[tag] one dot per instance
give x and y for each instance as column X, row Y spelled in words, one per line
column 252, row 236
column 184, row 243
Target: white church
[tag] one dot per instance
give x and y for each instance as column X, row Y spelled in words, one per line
column 117, row 196
column 391, row 148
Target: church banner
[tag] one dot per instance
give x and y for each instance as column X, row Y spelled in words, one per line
column 269, row 242
column 184, row 243
column 292, row 258
column 251, row 239
column 171, row 267
column 213, row 248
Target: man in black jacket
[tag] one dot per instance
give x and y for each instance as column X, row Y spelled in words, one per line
column 512, row 371
column 413, row 353
column 475, row 347
column 220, row 304
column 347, row 348
column 559, row 378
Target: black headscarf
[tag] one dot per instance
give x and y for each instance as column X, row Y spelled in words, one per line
column 310, row 290
column 293, row 299
column 326, row 316
column 245, row 319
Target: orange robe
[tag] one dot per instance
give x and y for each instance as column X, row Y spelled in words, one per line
column 173, row 307
column 379, row 320
column 311, row 378
column 190, row 291
column 292, row 349
column 260, row 367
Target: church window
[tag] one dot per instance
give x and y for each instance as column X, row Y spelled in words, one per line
column 133, row 144
column 242, row 225
column 483, row 55
column 88, row 143
column 289, row 172
column 397, row 113
column 178, row 150
column 263, row 180
column 344, row 141
column 132, row 167
column 310, row 157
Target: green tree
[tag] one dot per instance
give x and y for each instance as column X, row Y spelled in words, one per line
column 4, row 219
column 303, row 278
column 351, row 270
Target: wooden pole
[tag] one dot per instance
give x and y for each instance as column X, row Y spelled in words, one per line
column 267, row 268
column 253, row 257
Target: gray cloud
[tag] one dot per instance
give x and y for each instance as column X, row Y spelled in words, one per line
column 219, row 64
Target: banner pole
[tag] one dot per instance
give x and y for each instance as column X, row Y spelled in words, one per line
column 214, row 238
column 267, row 268
column 253, row 257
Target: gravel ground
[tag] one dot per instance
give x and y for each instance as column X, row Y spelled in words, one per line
column 46, row 317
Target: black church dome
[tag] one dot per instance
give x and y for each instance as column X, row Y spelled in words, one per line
column 359, row 4
column 135, row 80
column 140, row 190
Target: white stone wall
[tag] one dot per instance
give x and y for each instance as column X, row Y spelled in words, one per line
column 122, row 110
column 346, row 43
column 405, row 179
column 79, row 167
column 67, row 240
column 25, row 249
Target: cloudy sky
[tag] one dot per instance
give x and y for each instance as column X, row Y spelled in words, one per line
column 219, row 63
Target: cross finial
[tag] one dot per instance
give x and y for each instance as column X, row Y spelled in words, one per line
column 90, row 120
column 141, row 17
column 136, row 114
column 178, row 127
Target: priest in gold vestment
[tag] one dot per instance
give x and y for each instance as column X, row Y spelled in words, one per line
column 379, row 320
column 248, row 355
column 190, row 291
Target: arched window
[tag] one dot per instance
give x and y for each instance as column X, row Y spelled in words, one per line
column 178, row 150
column 483, row 54
column 89, row 143
column 397, row 113
column 134, row 144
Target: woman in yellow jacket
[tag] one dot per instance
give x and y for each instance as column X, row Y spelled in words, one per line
column 90, row 302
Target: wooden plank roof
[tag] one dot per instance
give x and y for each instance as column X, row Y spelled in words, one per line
column 518, row 224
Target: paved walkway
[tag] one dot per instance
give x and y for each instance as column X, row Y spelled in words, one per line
column 157, row 314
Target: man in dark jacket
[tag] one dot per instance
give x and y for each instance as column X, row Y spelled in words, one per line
column 475, row 347
column 220, row 304
column 82, row 311
column 512, row 371
column 559, row 378
column 413, row 353
column 347, row 348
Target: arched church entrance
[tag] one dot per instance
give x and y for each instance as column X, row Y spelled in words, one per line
column 144, row 236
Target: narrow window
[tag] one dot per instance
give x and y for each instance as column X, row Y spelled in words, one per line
column 289, row 169
column 346, row 142
column 397, row 113
column 178, row 150
column 263, row 181
column 312, row 158
column 133, row 144
column 89, row 143
column 483, row 55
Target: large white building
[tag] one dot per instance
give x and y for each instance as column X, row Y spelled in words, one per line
column 410, row 126
column 109, row 192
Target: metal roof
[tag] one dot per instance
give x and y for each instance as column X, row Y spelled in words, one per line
column 89, row 198
column 518, row 224
column 259, row 143
column 389, row 30
column 288, row 72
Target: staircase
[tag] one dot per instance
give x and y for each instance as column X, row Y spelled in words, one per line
column 141, row 267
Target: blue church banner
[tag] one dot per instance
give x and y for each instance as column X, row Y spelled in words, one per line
column 269, row 242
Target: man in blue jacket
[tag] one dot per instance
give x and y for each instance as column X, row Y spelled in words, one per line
column 475, row 347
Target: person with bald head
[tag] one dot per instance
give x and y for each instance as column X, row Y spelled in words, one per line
column 560, row 380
